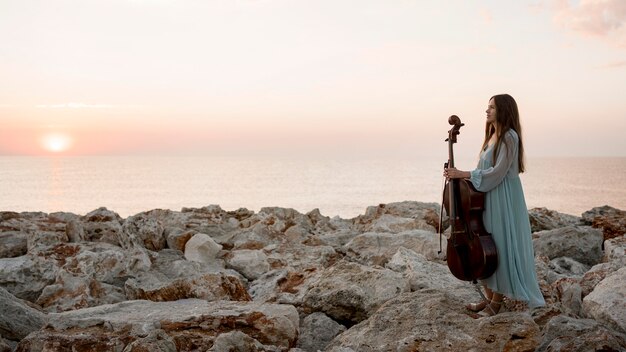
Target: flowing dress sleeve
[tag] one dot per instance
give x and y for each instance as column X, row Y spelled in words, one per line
column 487, row 179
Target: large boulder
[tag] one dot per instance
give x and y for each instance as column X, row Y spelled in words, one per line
column 317, row 330
column 399, row 217
column 435, row 320
column 13, row 244
column 157, row 287
column 610, row 220
column 563, row 333
column 377, row 248
column 192, row 324
column 607, row 302
column 18, row 319
column 350, row 292
column 101, row 225
column 581, row 243
column 142, row 230
column 202, row 248
column 542, row 219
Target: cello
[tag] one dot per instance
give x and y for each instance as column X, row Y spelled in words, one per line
column 470, row 252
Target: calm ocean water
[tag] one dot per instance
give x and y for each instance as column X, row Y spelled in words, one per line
column 129, row 185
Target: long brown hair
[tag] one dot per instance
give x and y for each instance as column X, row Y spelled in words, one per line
column 507, row 117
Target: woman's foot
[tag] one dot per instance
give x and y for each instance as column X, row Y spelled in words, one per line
column 491, row 309
column 476, row 307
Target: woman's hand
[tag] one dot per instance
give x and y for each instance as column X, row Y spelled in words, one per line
column 455, row 173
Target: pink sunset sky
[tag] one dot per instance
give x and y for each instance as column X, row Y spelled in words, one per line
column 220, row 77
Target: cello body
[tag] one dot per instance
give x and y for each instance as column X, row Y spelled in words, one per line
column 471, row 252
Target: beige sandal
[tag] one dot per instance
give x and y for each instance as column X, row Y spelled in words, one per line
column 476, row 307
column 491, row 309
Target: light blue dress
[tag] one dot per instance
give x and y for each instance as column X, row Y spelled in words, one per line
column 506, row 218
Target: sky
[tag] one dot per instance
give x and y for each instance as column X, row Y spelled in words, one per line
column 299, row 77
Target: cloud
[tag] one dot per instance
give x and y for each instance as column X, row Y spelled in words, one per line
column 604, row 19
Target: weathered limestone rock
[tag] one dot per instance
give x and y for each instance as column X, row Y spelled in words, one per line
column 26, row 276
column 201, row 248
column 13, row 244
column 18, row 319
column 570, row 296
column 610, row 220
column 144, row 231
column 564, row 333
column 568, row 267
column 102, row 225
column 425, row 274
column 615, row 250
column 433, row 320
column 607, row 302
column 399, row 217
column 542, row 219
column 317, row 331
column 250, row 263
column 4, row 346
column 192, row 324
column 177, row 238
column 238, row 341
column 596, row 274
column 157, row 287
column 352, row 292
column 301, row 257
column 71, row 292
column 285, row 286
column 377, row 248
column 156, row 341
column 581, row 243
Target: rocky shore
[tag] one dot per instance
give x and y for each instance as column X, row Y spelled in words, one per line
column 206, row 279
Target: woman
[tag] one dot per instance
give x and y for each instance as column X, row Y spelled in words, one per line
column 505, row 215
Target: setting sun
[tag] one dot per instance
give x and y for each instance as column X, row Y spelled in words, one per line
column 56, row 142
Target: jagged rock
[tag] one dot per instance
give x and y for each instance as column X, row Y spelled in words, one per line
column 564, row 333
column 192, row 324
column 301, row 257
column 250, row 263
column 18, row 319
column 4, row 346
column 424, row 274
column 399, row 217
column 156, row 341
column 581, row 243
column 286, row 286
column 434, row 320
column 350, row 292
column 201, row 248
column 542, row 219
column 13, row 244
column 596, row 274
column 177, row 238
column 615, row 250
column 610, row 220
column 568, row 267
column 317, row 330
column 158, row 287
column 607, row 302
column 377, row 248
column 26, row 276
column 237, row 341
column 570, row 296
column 75, row 231
column 71, row 292
column 144, row 231
column 102, row 225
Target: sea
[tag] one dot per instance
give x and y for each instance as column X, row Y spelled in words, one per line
column 342, row 187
